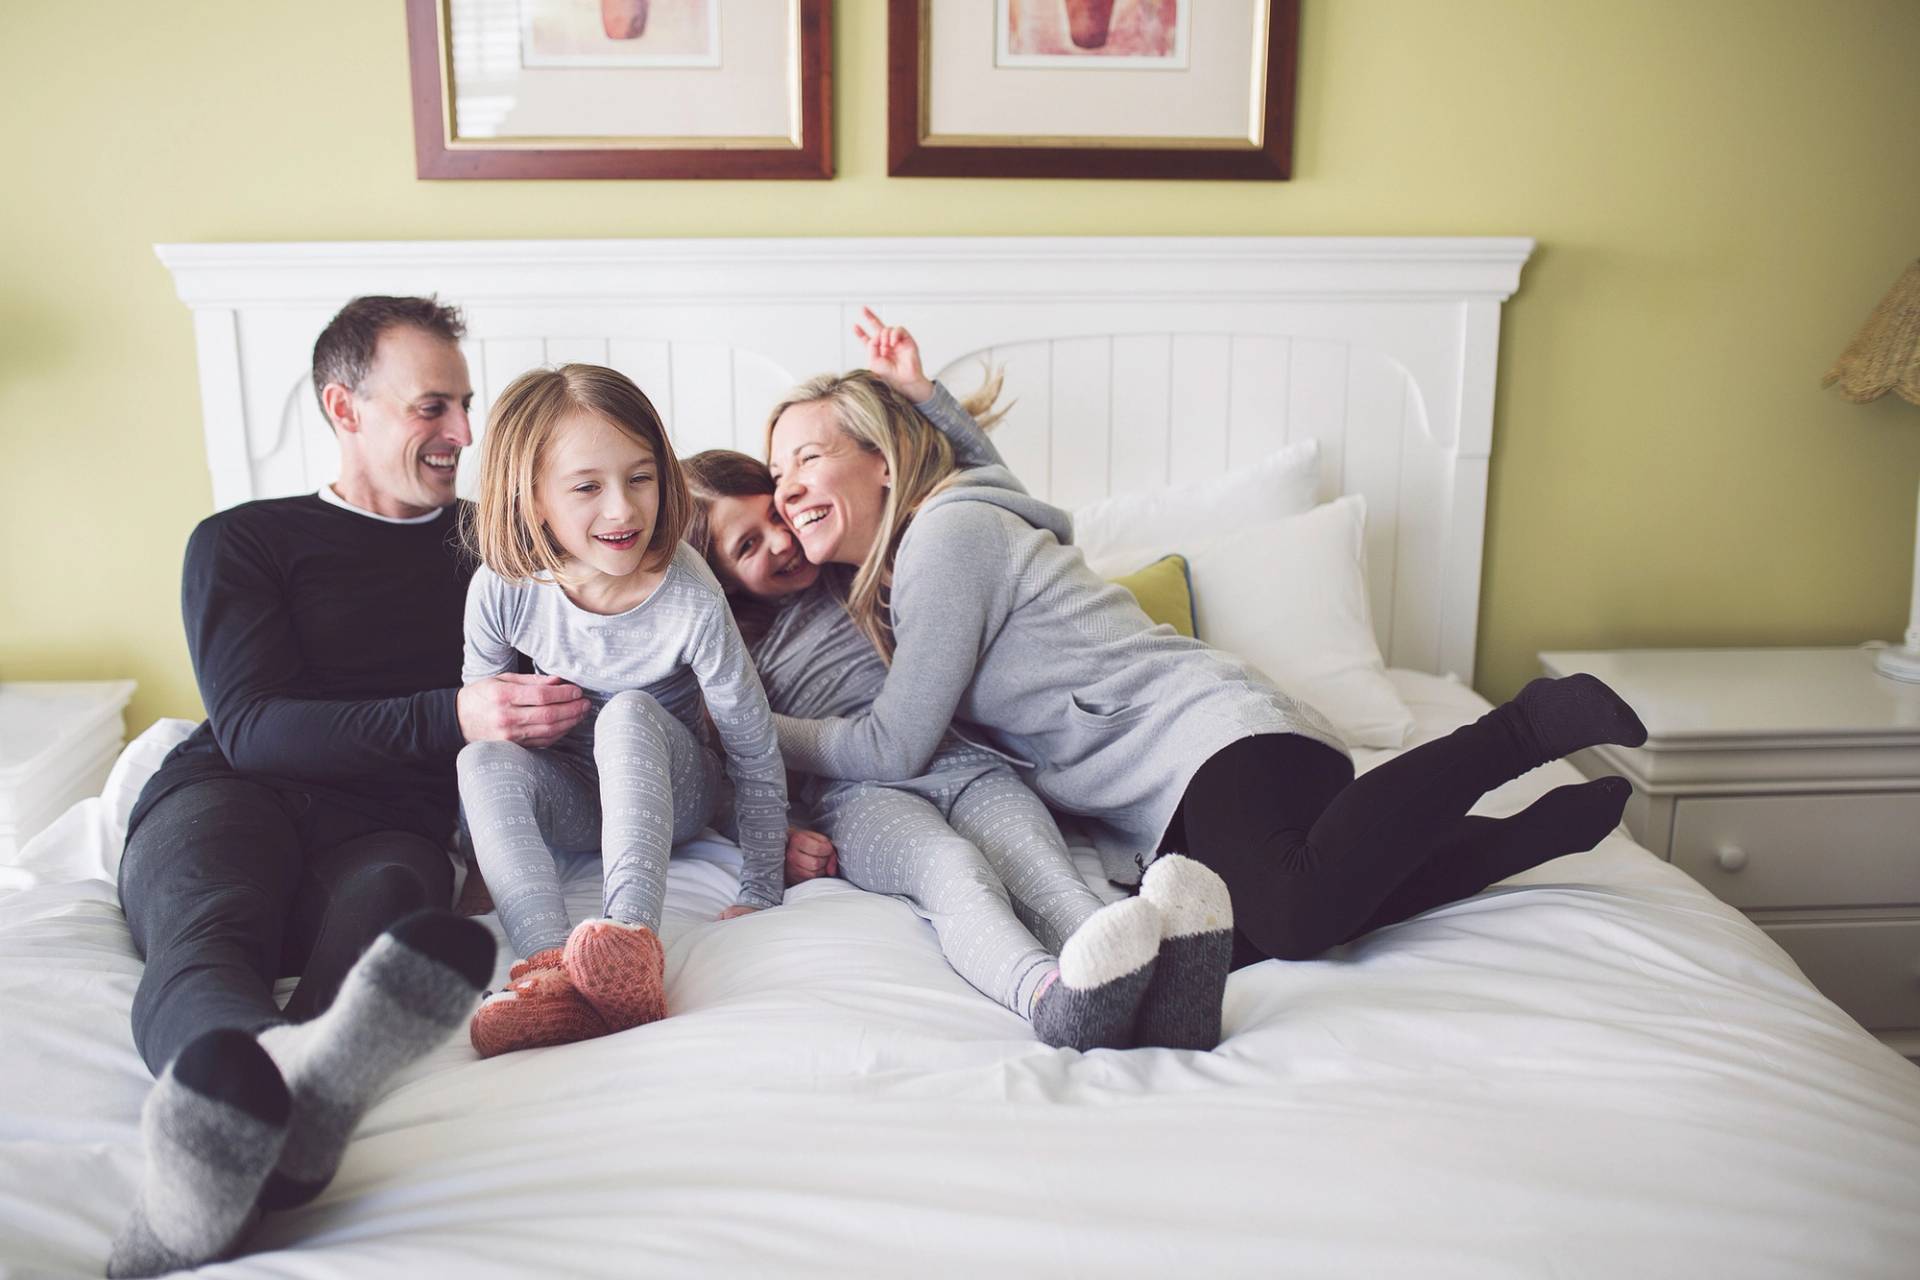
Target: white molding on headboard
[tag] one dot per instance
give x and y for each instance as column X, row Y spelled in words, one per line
column 1384, row 348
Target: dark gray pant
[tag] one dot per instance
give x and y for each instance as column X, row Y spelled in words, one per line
column 229, row 884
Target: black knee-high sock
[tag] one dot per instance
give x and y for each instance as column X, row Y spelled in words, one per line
column 1483, row 851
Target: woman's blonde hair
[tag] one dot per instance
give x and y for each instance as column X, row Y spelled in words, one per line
column 920, row 463
column 504, row 531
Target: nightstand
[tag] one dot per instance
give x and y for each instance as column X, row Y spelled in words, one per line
column 58, row 739
column 1787, row 781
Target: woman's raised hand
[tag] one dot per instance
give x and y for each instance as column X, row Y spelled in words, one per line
column 893, row 356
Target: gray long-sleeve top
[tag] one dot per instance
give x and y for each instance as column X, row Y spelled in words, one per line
column 999, row 624
column 679, row 645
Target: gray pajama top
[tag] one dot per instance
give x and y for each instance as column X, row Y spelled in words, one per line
column 816, row 664
column 681, row 646
column 999, row 623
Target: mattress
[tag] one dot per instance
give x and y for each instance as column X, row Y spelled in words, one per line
column 1592, row 1069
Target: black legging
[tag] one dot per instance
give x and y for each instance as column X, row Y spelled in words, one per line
column 229, row 884
column 1314, row 857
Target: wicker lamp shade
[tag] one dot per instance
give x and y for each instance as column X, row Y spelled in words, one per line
column 1885, row 355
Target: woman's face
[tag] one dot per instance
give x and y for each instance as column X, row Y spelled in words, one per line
column 754, row 551
column 828, row 489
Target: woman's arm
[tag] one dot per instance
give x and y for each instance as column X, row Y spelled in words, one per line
column 949, row 598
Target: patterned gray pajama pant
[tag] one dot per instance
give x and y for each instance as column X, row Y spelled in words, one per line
column 645, row 784
column 976, row 853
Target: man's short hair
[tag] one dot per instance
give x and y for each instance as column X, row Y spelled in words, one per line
column 344, row 352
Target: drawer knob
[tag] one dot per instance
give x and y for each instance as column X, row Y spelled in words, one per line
column 1731, row 857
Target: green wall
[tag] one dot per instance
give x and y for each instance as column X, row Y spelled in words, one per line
column 1721, row 190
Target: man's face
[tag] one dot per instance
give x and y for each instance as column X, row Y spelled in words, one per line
column 409, row 421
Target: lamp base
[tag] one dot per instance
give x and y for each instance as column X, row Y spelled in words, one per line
column 1899, row 663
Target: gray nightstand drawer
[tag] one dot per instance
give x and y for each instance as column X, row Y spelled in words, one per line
column 1870, row 968
column 1822, row 850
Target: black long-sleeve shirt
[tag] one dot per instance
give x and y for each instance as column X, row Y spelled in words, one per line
column 327, row 648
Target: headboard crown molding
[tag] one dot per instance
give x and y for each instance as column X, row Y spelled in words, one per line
column 953, row 267
column 1132, row 362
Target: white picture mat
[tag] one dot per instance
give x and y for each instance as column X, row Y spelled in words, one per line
column 751, row 94
column 969, row 97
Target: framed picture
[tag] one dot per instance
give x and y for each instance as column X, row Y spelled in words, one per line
column 1091, row 88
column 621, row 88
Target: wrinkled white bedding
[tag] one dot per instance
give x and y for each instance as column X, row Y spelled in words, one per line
column 1595, row 1069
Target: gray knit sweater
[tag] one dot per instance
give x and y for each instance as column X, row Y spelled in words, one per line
column 1000, row 625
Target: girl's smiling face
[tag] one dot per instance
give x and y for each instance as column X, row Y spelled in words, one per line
column 754, row 551
column 598, row 494
column 829, row 490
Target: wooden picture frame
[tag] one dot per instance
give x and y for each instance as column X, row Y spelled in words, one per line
column 917, row 148
column 804, row 149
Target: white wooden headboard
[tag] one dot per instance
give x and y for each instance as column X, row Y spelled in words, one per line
column 1133, row 362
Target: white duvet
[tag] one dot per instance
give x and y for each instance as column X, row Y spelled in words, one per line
column 1595, row 1069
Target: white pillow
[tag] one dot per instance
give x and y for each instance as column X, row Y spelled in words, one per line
column 1290, row 597
column 1119, row 534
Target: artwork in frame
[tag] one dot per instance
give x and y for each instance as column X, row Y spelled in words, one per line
column 1091, row 88
column 621, row 88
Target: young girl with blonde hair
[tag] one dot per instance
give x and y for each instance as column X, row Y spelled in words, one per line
column 579, row 521
column 964, row 842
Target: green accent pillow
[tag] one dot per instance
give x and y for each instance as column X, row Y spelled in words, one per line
column 1164, row 592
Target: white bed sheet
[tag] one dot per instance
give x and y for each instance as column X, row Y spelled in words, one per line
column 1594, row 1069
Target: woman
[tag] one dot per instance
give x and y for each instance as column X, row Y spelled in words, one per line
column 991, row 618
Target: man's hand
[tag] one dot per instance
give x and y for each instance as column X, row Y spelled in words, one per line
column 534, row 711
column 809, row 856
column 737, row 910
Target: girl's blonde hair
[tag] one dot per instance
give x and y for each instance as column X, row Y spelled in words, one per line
column 919, row 462
column 505, row 532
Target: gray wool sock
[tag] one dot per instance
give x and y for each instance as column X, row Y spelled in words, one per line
column 416, row 985
column 1182, row 1005
column 1104, row 971
column 213, row 1127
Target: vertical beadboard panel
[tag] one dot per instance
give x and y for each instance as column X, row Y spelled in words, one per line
column 1024, row 437
column 1199, row 406
column 1376, row 413
column 508, row 358
column 702, row 397
column 1317, row 407
column 650, row 365
column 1257, row 400
column 467, row 480
column 308, row 426
column 1420, row 541
column 758, row 384
column 1141, row 416
column 576, row 350
column 1079, row 448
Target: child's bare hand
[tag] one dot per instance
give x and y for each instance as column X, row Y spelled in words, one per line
column 893, row 356
column 737, row 910
column 810, row 855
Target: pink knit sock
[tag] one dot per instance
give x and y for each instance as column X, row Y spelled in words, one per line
column 548, row 958
column 621, row 971
column 538, row 1010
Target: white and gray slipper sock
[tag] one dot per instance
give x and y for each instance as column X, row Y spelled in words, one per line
column 213, row 1127
column 415, row 986
column 1104, row 971
column 1182, row 1005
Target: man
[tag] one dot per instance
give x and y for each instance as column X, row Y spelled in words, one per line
column 302, row 828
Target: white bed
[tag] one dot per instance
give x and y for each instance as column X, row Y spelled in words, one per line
column 1595, row 1069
